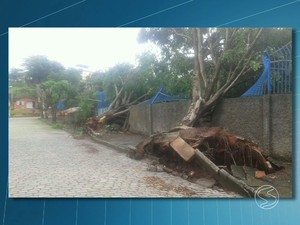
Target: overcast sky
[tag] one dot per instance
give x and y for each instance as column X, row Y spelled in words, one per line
column 97, row 48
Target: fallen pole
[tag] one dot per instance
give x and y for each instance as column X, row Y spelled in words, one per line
column 223, row 177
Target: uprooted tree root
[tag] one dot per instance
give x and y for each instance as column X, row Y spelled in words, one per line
column 222, row 148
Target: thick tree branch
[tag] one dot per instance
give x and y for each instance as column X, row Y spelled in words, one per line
column 119, row 113
column 181, row 34
column 199, row 54
column 246, row 54
column 229, row 84
column 117, row 98
column 141, row 97
column 217, row 68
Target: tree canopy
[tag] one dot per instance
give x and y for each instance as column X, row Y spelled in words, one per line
column 177, row 52
column 38, row 68
column 214, row 59
column 204, row 64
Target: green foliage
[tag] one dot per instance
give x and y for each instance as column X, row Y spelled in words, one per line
column 72, row 75
column 87, row 98
column 23, row 92
column 132, row 82
column 54, row 91
column 168, row 40
column 88, row 104
column 178, row 78
column 173, row 68
column 39, row 68
column 16, row 78
column 23, row 112
column 146, row 74
column 72, row 97
column 177, row 54
column 255, row 65
column 274, row 37
column 121, row 75
column 57, row 126
column 93, row 82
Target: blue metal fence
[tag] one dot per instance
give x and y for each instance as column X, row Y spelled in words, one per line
column 161, row 96
column 277, row 74
column 102, row 103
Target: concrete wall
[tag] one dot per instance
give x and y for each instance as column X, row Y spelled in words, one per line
column 166, row 116
column 241, row 116
column 149, row 119
column 281, row 126
column 266, row 120
column 140, row 119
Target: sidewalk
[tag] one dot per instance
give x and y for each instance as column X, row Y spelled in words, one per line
column 120, row 141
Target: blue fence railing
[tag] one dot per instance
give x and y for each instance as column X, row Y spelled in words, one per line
column 161, row 96
column 277, row 74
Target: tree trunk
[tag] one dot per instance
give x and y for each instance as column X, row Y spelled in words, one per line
column 197, row 101
column 53, row 112
column 40, row 101
column 45, row 109
column 117, row 112
column 42, row 111
column 192, row 115
column 206, row 83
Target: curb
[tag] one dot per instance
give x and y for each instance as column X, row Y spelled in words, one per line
column 108, row 144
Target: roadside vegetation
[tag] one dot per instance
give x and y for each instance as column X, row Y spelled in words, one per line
column 202, row 64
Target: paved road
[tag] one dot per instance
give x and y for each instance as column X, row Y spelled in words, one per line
column 46, row 162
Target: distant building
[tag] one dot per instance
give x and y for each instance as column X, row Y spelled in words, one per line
column 25, row 103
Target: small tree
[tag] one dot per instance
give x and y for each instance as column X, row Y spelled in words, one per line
column 53, row 92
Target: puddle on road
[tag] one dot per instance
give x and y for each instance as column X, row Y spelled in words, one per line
column 90, row 149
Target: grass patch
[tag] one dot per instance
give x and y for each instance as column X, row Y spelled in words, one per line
column 57, row 126
column 76, row 131
column 24, row 112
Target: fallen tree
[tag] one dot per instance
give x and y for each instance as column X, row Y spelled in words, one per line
column 222, row 57
column 211, row 149
column 118, row 111
column 124, row 86
column 218, row 145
